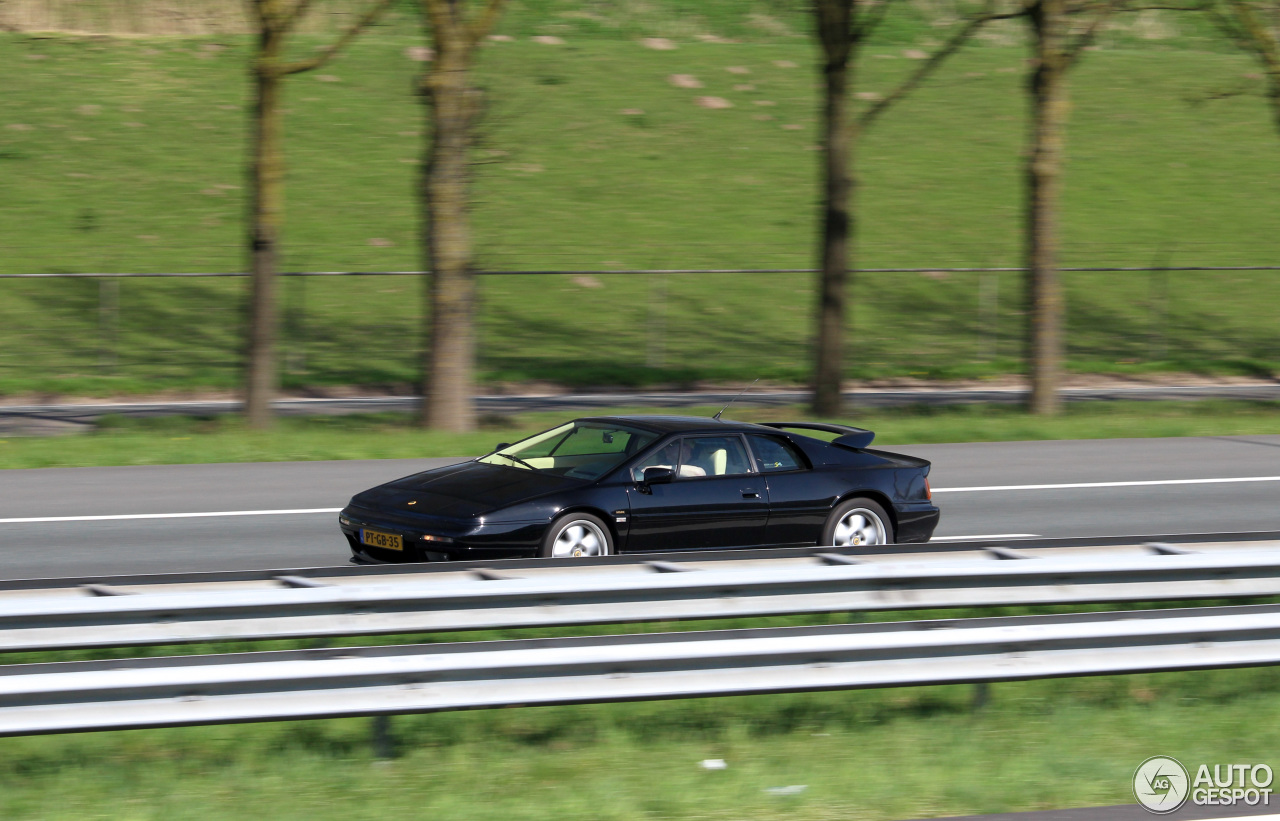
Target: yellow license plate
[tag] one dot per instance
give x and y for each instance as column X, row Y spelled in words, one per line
column 386, row 541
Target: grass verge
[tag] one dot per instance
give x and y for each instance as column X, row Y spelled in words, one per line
column 859, row 756
column 186, row 440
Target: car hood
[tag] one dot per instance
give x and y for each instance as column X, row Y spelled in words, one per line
column 465, row 490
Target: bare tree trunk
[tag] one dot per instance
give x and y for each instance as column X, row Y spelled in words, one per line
column 274, row 20
column 452, row 108
column 835, row 33
column 842, row 25
column 836, row 229
column 1273, row 97
column 449, row 359
column 266, row 201
column 1045, row 304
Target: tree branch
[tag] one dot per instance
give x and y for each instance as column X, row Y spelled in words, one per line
column 935, row 60
column 833, row 26
column 1258, row 36
column 262, row 12
column 484, row 23
column 1102, row 12
column 865, row 24
column 350, row 34
column 291, row 19
column 1229, row 29
column 441, row 18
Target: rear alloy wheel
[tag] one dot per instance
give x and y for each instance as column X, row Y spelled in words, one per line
column 858, row 523
column 575, row 536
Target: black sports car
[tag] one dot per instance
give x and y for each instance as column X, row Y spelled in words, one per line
column 605, row 485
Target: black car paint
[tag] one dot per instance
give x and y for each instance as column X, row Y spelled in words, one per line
column 494, row 510
column 711, row 511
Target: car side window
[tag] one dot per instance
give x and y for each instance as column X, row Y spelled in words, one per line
column 774, row 455
column 713, row 456
column 664, row 457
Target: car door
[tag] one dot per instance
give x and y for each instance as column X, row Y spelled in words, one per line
column 798, row 501
column 715, row 499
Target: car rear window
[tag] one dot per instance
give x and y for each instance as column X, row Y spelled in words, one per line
column 773, row 455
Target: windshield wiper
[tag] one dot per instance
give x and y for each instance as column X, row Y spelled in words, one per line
column 516, row 459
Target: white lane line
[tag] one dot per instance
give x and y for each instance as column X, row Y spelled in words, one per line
column 985, row 536
column 1157, row 482
column 168, row 515
column 1074, row 485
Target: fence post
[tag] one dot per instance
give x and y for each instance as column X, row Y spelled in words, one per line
column 989, row 311
column 108, row 322
column 656, row 327
column 295, row 324
column 1158, row 308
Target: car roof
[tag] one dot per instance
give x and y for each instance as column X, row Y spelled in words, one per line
column 679, row 424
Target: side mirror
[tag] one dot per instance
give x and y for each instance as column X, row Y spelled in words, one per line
column 656, row 476
column 501, row 446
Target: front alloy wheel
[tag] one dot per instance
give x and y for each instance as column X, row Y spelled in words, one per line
column 576, row 535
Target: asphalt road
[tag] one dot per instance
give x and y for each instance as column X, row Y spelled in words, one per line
column 992, row 489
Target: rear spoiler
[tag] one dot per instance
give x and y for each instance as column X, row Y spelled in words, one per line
column 849, row 436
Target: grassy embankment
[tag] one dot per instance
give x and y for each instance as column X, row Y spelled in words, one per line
column 125, row 155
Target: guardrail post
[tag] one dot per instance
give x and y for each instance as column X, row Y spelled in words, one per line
column 384, row 744
column 981, row 695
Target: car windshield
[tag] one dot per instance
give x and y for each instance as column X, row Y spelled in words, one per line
column 579, row 450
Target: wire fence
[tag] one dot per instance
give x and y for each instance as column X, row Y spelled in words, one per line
column 636, row 271
column 62, row 332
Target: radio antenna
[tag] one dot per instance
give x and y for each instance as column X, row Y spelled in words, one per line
column 735, row 399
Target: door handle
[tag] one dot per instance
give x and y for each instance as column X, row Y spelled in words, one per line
column 750, row 494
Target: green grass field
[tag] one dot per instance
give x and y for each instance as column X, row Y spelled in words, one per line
column 125, row 155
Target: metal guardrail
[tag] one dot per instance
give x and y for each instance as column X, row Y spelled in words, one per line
column 209, row 689
column 116, row 615
column 50, row 698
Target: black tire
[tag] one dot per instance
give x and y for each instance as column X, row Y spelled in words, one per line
column 842, row 530
column 574, row 532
